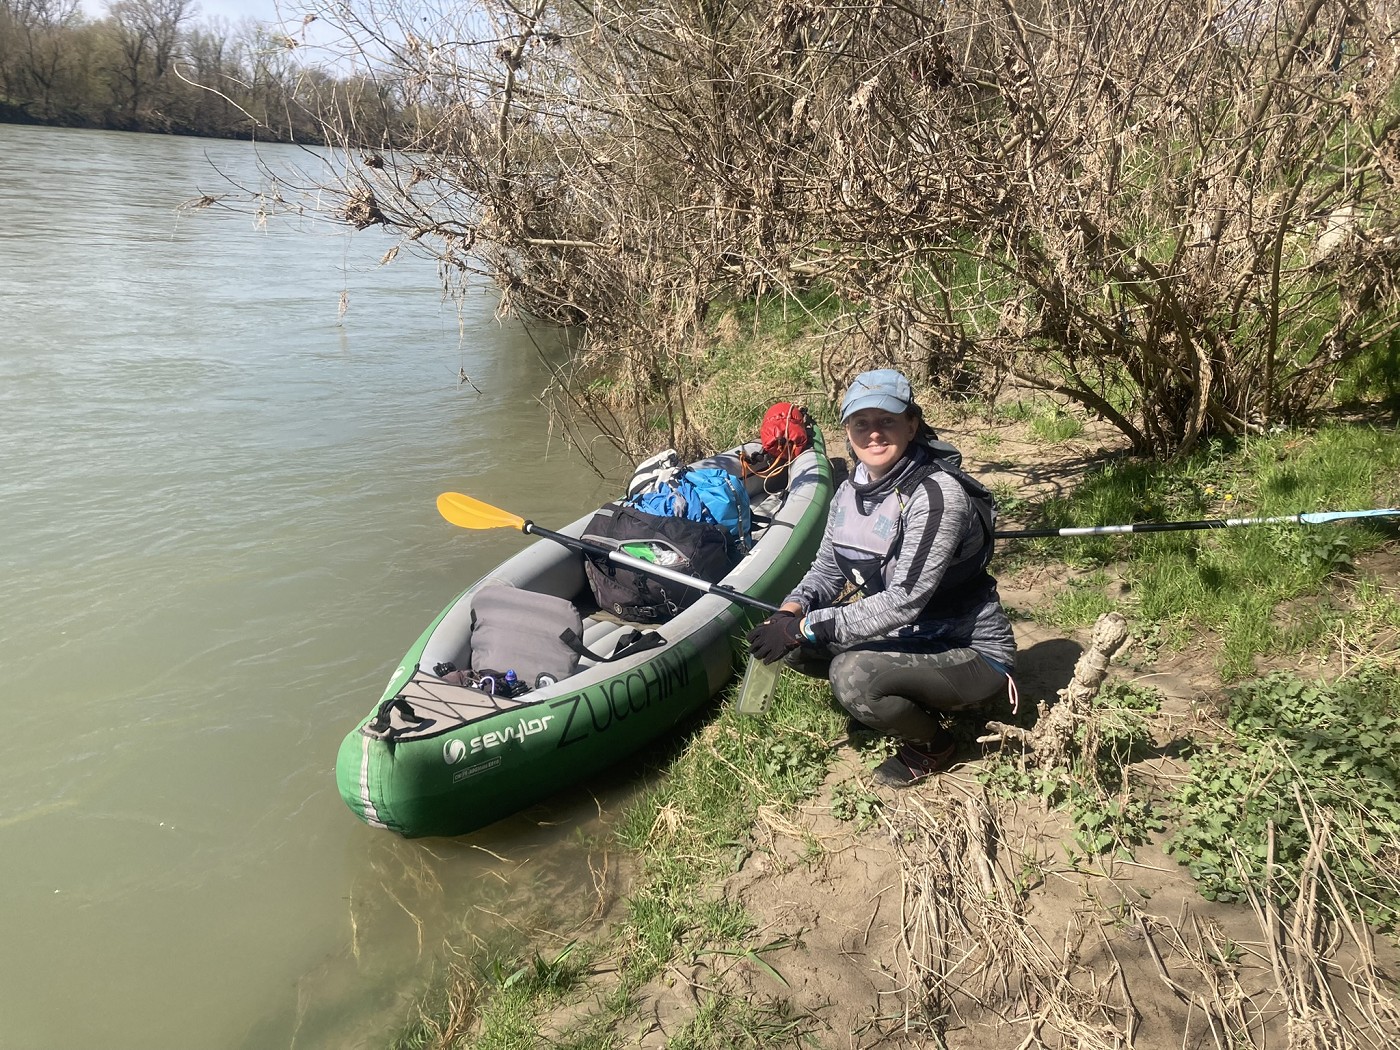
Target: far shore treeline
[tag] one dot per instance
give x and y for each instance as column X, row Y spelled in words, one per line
column 157, row 66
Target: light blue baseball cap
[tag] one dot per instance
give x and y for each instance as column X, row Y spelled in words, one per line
column 883, row 388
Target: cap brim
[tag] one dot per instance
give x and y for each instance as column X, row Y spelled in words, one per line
column 884, row 402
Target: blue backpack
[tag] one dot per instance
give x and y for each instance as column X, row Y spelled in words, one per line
column 707, row 494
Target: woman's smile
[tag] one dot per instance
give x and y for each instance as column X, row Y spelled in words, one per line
column 879, row 438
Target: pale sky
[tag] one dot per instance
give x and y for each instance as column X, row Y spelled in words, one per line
column 208, row 10
column 233, row 10
column 262, row 10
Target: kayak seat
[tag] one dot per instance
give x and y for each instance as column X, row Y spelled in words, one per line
column 767, row 505
column 596, row 631
column 561, row 576
column 603, row 633
column 557, row 572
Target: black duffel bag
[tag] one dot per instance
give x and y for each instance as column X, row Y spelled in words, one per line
column 692, row 547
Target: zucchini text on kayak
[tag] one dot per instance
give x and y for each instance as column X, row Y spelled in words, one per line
column 599, row 709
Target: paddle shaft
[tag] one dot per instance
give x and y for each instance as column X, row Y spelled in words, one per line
column 647, row 568
column 1182, row 526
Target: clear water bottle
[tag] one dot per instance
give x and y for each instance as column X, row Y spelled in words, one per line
column 759, row 685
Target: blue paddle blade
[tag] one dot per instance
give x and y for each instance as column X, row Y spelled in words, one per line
column 1337, row 515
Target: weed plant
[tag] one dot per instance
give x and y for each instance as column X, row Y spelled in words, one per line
column 519, row 989
column 850, row 800
column 1299, row 753
column 1082, row 601
column 1108, row 811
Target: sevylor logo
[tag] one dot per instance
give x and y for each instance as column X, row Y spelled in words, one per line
column 526, row 727
column 453, row 751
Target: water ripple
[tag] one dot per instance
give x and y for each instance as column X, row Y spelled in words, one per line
column 220, row 536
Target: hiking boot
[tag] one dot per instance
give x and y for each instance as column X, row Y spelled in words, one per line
column 911, row 763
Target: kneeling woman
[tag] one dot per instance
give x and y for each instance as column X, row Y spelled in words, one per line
column 922, row 633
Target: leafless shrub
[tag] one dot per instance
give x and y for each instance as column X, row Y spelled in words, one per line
column 1182, row 217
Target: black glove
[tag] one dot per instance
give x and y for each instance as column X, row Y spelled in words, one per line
column 775, row 637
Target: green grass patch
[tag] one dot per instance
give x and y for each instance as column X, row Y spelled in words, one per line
column 687, row 833
column 734, row 389
column 724, row 1023
column 499, row 1000
column 1229, row 581
column 520, row 989
column 1079, row 604
column 694, row 828
column 780, row 315
column 1047, row 421
column 1374, row 376
column 1011, row 503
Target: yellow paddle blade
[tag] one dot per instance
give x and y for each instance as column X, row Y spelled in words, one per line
column 473, row 514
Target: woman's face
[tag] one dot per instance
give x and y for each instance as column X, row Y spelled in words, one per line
column 879, row 438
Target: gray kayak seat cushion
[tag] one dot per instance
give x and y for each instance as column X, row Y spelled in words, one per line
column 525, row 632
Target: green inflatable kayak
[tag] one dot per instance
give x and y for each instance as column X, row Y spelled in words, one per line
column 440, row 754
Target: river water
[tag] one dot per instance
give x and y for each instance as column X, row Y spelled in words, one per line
column 221, row 443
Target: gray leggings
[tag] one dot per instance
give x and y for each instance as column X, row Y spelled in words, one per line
column 904, row 693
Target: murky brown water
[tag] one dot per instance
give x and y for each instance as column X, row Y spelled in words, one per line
column 219, row 536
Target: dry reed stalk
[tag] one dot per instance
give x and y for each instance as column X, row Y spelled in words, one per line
column 1323, row 985
column 602, row 876
column 463, row 994
column 1329, row 1007
column 971, row 952
column 1216, row 1013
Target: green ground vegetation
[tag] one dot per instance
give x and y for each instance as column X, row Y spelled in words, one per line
column 1293, row 746
column 1231, row 582
column 1301, row 764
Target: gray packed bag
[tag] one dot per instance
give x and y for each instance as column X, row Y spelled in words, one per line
column 526, row 632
